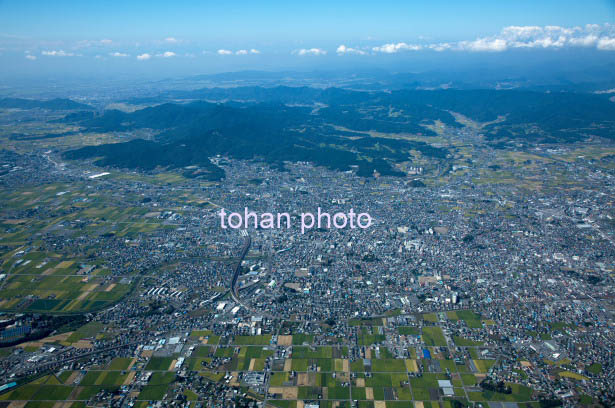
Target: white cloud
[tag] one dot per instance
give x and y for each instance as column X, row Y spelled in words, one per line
column 171, row 40
column 31, row 57
column 396, row 47
column 552, row 37
column 521, row 33
column 606, row 44
column 310, row 51
column 238, row 52
column 483, row 44
column 586, row 41
column 57, row 53
column 118, row 54
column 106, row 41
column 342, row 49
column 440, row 46
column 144, row 57
column 602, row 37
column 167, row 54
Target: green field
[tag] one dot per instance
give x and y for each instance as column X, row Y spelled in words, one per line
column 369, row 336
column 433, row 336
column 159, row 363
column 120, row 363
column 388, row 365
column 472, row 319
column 255, row 340
column 463, row 342
column 409, row 331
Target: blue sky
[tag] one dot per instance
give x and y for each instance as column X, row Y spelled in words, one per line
column 279, row 21
column 34, row 35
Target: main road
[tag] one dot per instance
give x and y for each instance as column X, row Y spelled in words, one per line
column 237, row 271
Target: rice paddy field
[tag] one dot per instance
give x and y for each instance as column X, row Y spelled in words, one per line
column 37, row 278
column 305, row 372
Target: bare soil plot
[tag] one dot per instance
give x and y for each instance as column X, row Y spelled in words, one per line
column 288, row 365
column 285, row 340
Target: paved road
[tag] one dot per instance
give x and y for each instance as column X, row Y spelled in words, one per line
column 237, row 271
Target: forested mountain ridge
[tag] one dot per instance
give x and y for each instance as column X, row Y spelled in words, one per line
column 334, row 127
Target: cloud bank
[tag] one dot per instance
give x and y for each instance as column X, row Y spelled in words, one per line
column 601, row 37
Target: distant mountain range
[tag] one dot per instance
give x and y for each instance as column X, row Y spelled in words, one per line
column 336, row 128
column 559, row 116
column 561, row 71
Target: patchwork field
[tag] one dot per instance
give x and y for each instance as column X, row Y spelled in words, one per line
column 40, row 280
column 296, row 371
